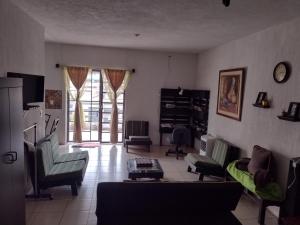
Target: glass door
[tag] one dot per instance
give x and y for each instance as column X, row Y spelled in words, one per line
column 97, row 119
column 91, row 107
column 106, row 114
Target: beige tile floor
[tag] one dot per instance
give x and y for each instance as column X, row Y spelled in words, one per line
column 108, row 163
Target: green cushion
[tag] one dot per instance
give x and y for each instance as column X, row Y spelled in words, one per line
column 65, row 157
column 67, row 167
column 220, row 152
column 54, row 141
column 198, row 160
column 66, row 171
column 45, row 158
column 271, row 191
column 73, row 156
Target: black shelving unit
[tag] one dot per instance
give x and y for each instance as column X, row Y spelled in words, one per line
column 199, row 118
column 189, row 109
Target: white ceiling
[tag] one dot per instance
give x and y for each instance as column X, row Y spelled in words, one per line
column 172, row 25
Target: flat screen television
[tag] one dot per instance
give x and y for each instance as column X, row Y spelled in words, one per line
column 33, row 88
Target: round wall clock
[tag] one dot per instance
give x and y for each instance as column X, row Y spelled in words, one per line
column 281, row 72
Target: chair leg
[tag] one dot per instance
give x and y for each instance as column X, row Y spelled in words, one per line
column 148, row 148
column 127, row 148
column 74, row 189
column 262, row 213
column 201, row 176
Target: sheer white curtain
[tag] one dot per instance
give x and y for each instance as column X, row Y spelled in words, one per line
column 117, row 81
column 75, row 79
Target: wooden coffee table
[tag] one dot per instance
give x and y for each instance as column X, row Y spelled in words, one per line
column 153, row 172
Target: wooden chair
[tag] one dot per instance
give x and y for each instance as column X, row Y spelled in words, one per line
column 137, row 133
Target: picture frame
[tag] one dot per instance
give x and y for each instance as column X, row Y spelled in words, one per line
column 260, row 97
column 230, row 93
column 293, row 110
column 53, row 99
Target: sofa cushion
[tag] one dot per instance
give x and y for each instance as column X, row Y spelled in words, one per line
column 220, row 152
column 67, row 167
column 138, row 142
column 68, row 171
column 260, row 159
column 45, row 158
column 139, row 138
column 72, row 156
column 198, row 160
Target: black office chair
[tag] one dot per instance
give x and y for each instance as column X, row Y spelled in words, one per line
column 180, row 136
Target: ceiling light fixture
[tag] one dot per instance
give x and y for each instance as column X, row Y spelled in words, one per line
column 226, row 3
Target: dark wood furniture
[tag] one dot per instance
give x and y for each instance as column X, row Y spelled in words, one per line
column 12, row 196
column 137, row 133
column 290, row 207
column 199, row 107
column 189, row 109
column 154, row 172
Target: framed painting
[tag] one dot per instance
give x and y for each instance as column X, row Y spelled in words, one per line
column 53, row 99
column 230, row 93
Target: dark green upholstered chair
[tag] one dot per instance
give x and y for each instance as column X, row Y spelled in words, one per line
column 223, row 153
column 64, row 157
column 55, row 168
column 52, row 174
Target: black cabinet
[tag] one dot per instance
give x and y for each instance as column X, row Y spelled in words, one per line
column 12, row 194
column 199, row 108
column 291, row 205
column 189, row 108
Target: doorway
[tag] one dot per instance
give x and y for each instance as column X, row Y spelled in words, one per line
column 96, row 110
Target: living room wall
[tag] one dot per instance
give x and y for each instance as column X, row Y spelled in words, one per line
column 258, row 53
column 143, row 92
column 22, row 50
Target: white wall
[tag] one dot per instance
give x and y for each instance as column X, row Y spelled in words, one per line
column 259, row 53
column 143, row 92
column 22, row 49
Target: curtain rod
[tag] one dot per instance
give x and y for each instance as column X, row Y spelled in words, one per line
column 57, row 65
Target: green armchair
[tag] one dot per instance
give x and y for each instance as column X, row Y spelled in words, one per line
column 223, row 153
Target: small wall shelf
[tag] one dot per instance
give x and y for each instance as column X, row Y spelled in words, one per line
column 261, row 106
column 288, row 118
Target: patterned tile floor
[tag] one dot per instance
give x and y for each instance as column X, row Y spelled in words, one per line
column 108, row 163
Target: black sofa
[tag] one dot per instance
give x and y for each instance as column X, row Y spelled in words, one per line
column 161, row 203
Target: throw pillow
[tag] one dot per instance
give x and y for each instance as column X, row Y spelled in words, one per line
column 260, row 159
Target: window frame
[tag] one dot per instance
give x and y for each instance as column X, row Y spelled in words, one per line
column 102, row 92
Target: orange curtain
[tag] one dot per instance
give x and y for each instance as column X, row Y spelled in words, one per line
column 115, row 79
column 77, row 76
